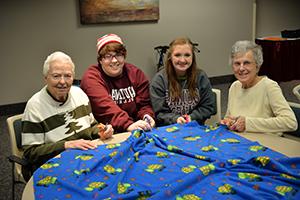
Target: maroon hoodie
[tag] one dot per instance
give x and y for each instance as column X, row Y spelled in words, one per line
column 119, row 101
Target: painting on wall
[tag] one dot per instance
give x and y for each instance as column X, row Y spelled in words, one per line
column 104, row 11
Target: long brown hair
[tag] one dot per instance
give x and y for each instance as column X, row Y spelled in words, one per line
column 191, row 73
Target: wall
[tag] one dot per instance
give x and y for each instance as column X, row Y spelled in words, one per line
column 32, row 29
column 274, row 16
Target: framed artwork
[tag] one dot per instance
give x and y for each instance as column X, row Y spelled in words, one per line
column 105, row 11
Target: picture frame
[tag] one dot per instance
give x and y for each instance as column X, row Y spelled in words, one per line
column 110, row 11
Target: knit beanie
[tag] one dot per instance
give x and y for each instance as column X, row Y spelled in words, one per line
column 108, row 38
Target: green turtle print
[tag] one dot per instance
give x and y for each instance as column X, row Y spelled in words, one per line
column 144, row 195
column 81, row 171
column 49, row 165
column 188, row 197
column 172, row 129
column 48, row 180
column 209, row 148
column 112, row 146
column 95, row 185
column 226, row 189
column 174, row 148
column 206, row 169
column 85, row 157
column 288, row 176
column 230, row 140
column 200, row 157
column 113, row 154
column 190, row 138
column 262, row 160
column 188, row 169
column 161, row 154
column 111, row 170
column 124, row 188
column 154, row 167
column 234, row 161
column 284, row 190
column 251, row 177
column 257, row 148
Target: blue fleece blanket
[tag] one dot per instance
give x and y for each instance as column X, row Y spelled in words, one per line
column 179, row 162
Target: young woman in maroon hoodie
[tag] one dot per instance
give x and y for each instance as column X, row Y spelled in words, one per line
column 118, row 91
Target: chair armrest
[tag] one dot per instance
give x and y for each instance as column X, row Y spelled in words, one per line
column 26, row 167
column 16, row 159
column 296, row 109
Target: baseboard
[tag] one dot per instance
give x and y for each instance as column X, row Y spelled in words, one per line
column 222, row 79
column 12, row 109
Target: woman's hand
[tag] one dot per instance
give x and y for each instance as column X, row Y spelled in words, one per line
column 105, row 132
column 140, row 124
column 149, row 120
column 183, row 119
column 235, row 123
column 239, row 124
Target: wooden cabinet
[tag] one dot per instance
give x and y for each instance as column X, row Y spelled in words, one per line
column 281, row 59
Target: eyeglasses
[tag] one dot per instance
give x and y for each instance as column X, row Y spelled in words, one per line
column 58, row 77
column 244, row 64
column 109, row 57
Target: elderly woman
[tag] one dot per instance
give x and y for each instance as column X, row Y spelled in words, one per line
column 255, row 103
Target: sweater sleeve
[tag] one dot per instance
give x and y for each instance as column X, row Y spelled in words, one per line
column 142, row 99
column 207, row 105
column 104, row 108
column 158, row 91
column 39, row 154
column 284, row 118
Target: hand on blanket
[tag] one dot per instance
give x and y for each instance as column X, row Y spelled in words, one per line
column 235, row 123
column 184, row 119
column 80, row 144
column 140, row 124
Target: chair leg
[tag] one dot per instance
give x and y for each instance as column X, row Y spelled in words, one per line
column 13, row 181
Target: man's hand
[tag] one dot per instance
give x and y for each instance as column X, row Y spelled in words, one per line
column 80, row 144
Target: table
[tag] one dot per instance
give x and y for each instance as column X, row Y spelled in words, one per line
column 283, row 145
column 281, row 58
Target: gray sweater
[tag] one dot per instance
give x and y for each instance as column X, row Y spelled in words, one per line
column 167, row 110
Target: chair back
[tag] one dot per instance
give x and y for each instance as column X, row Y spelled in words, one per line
column 216, row 118
column 296, row 109
column 296, row 91
column 14, row 124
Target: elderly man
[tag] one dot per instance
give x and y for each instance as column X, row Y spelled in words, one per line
column 59, row 116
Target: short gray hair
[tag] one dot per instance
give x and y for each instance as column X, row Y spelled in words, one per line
column 245, row 46
column 57, row 55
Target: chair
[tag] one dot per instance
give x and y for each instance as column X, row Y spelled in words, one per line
column 294, row 134
column 296, row 109
column 216, row 118
column 296, row 91
column 14, row 124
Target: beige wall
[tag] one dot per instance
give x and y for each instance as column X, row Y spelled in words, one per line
column 32, row 29
column 274, row 16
